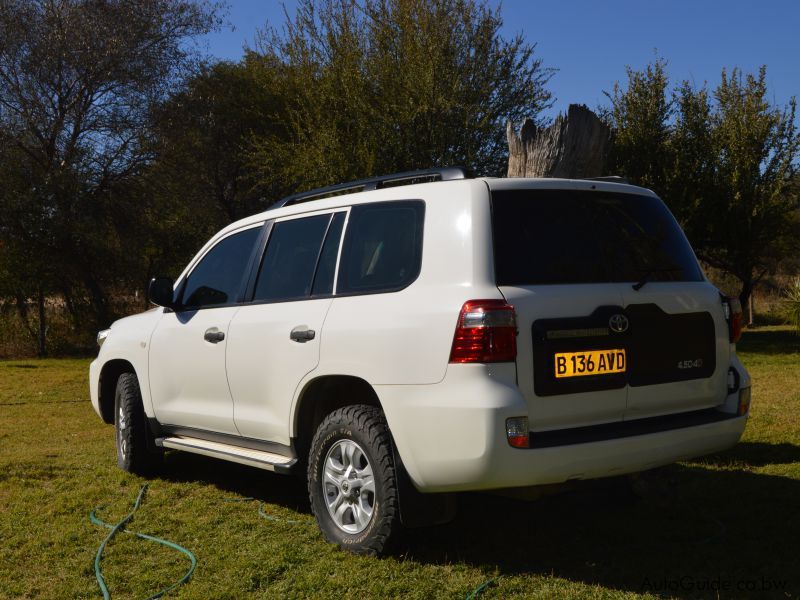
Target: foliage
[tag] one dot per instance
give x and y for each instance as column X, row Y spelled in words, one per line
column 791, row 304
column 200, row 178
column 380, row 86
column 724, row 160
column 77, row 81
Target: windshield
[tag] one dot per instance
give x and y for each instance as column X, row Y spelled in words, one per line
column 570, row 236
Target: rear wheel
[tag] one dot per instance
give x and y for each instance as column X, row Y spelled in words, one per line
column 351, row 479
column 134, row 453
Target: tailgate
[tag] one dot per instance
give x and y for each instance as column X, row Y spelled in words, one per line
column 593, row 347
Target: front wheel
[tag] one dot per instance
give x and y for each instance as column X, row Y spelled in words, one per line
column 133, row 452
column 351, row 479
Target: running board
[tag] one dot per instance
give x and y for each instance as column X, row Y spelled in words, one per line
column 254, row 458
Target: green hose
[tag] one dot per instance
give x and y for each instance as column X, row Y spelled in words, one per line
column 120, row 526
column 261, row 510
column 482, row 587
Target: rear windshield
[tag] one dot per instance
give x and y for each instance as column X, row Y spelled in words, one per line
column 566, row 236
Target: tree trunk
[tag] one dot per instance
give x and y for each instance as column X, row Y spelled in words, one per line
column 42, row 325
column 98, row 299
column 744, row 299
column 575, row 145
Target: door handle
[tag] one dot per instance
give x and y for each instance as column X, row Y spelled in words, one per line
column 302, row 334
column 214, row 335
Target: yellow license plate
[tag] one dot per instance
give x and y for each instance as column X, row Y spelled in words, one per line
column 590, row 362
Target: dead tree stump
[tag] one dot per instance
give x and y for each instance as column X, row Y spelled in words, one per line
column 575, row 145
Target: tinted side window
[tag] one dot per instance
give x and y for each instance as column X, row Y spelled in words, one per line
column 323, row 280
column 382, row 247
column 567, row 236
column 287, row 270
column 217, row 278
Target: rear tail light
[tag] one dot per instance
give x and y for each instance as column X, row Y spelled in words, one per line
column 744, row 401
column 486, row 333
column 517, row 432
column 733, row 314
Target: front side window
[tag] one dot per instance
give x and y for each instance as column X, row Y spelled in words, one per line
column 217, row 279
column 382, row 248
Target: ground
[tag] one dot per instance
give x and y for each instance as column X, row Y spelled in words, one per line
column 723, row 526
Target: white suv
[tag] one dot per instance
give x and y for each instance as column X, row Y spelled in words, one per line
column 401, row 338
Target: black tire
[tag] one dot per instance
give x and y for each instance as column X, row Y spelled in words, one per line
column 134, row 453
column 367, row 428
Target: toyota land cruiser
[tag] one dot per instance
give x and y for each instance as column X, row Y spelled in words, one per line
column 401, row 338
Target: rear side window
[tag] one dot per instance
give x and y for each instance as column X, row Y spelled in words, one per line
column 323, row 280
column 565, row 236
column 287, row 270
column 382, row 248
column 217, row 278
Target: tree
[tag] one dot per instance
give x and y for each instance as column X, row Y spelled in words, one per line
column 388, row 85
column 723, row 161
column 200, row 178
column 640, row 115
column 77, row 81
column 748, row 221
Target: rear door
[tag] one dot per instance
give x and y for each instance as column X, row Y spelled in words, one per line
column 275, row 337
column 679, row 348
column 591, row 348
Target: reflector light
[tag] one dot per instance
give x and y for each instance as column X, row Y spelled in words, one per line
column 517, row 432
column 486, row 332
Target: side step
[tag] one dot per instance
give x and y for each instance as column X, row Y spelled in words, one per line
column 254, row 458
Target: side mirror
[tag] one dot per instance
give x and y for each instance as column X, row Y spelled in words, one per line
column 160, row 292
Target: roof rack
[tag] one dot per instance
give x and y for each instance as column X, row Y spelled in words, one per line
column 609, row 179
column 376, row 183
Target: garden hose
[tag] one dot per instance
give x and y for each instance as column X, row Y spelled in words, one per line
column 482, row 587
column 261, row 510
column 120, row 526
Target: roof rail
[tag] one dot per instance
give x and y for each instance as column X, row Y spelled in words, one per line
column 376, row 183
column 609, row 179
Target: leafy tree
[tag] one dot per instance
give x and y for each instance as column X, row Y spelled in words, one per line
column 724, row 161
column 77, row 81
column 749, row 219
column 388, row 85
column 641, row 115
column 200, row 178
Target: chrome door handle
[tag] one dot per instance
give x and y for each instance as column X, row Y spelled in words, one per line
column 302, row 334
column 214, row 335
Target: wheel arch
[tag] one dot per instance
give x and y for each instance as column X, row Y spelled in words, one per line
column 321, row 396
column 109, row 375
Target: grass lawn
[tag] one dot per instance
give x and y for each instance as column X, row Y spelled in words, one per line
column 722, row 526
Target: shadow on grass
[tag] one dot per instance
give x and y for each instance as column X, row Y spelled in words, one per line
column 754, row 454
column 770, row 342
column 681, row 531
column 688, row 532
column 238, row 480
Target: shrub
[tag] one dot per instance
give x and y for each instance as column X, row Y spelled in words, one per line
column 791, row 304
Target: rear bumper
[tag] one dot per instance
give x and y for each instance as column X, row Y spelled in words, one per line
column 451, row 437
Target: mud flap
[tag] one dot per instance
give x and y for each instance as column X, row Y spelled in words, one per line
column 417, row 509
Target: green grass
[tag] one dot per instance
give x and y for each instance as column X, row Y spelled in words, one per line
column 730, row 520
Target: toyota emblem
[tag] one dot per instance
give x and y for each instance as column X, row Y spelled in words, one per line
column 618, row 323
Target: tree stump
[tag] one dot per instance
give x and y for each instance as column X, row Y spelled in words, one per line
column 575, row 145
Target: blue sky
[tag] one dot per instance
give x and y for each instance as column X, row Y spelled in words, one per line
column 590, row 42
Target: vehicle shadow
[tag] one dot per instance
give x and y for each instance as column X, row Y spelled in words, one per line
column 754, row 454
column 684, row 532
column 680, row 531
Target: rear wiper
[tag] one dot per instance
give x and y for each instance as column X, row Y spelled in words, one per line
column 649, row 272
